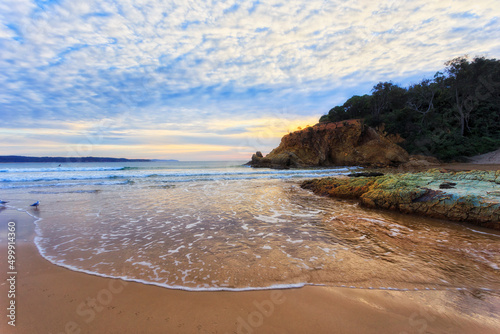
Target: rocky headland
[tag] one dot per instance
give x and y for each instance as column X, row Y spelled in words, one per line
column 347, row 143
column 472, row 196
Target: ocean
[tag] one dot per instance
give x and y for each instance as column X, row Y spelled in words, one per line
column 224, row 226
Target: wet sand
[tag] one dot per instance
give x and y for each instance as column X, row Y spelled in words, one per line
column 469, row 166
column 52, row 299
column 487, row 158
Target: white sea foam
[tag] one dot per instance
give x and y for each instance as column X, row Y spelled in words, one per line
column 59, row 169
column 486, row 233
column 225, row 235
column 35, row 176
column 144, row 263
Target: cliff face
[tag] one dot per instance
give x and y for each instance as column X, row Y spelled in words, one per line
column 348, row 143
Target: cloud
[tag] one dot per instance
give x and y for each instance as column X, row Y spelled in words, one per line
column 180, row 63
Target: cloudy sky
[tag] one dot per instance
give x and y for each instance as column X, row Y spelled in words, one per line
column 210, row 80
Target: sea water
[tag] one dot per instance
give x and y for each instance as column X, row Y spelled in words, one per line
column 225, row 226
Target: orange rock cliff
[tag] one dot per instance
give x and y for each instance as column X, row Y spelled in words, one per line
column 348, row 143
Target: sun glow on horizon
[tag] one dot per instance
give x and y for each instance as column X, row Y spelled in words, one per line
column 130, row 79
column 222, row 139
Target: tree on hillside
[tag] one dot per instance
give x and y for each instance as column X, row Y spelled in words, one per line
column 386, row 97
column 455, row 114
column 380, row 98
column 421, row 98
column 355, row 107
column 462, row 87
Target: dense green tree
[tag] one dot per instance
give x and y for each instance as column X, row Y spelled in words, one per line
column 420, row 98
column 355, row 107
column 462, row 82
column 386, row 97
column 454, row 115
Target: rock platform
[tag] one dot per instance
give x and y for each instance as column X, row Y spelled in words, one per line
column 472, row 196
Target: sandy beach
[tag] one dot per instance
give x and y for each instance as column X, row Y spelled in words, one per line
column 52, row 299
column 245, row 167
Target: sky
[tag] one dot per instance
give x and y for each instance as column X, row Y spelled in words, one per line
column 210, row 80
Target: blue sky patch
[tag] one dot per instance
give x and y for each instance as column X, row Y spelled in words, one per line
column 226, row 69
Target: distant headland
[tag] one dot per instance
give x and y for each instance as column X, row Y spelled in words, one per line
column 19, row 158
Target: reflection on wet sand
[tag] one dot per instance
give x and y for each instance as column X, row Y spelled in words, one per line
column 260, row 234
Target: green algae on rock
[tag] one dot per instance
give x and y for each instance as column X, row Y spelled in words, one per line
column 471, row 196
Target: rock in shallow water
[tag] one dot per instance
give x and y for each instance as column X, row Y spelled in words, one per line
column 468, row 196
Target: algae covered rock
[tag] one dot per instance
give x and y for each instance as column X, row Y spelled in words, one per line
column 474, row 196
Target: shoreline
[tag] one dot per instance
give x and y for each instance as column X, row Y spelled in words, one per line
column 83, row 303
